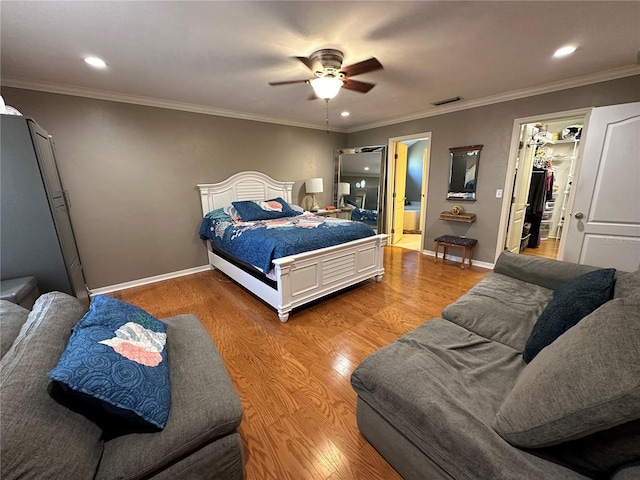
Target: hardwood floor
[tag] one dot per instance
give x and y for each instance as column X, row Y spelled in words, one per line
column 547, row 249
column 293, row 378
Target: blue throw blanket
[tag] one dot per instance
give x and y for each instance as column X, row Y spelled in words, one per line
column 260, row 242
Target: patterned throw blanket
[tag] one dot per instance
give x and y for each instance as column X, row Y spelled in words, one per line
column 260, row 242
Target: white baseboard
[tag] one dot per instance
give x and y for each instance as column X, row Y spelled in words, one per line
column 148, row 280
column 476, row 263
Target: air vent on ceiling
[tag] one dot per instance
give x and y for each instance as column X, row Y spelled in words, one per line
column 446, row 100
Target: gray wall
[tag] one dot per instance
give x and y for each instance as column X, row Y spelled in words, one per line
column 490, row 126
column 132, row 171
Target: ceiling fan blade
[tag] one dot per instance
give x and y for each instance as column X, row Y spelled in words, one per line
column 306, row 61
column 362, row 67
column 289, row 82
column 362, row 87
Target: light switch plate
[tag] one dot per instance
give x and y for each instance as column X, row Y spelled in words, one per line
column 499, row 193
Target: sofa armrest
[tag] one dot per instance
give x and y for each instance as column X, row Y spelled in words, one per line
column 541, row 271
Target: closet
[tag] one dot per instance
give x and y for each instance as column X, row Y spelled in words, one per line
column 36, row 238
column 555, row 152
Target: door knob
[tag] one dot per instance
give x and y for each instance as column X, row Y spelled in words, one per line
column 579, row 215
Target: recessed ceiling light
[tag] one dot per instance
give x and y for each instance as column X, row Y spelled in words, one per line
column 366, row 168
column 564, row 51
column 95, row 62
column 345, row 114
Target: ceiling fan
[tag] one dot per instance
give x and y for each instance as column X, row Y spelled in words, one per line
column 330, row 76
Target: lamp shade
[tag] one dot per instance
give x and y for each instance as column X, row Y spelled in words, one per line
column 344, row 188
column 326, row 87
column 313, row 185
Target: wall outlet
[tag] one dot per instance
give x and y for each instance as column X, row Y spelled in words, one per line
column 499, row 193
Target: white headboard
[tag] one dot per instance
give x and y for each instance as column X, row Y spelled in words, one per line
column 242, row 186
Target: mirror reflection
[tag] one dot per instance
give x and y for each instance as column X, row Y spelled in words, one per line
column 358, row 188
column 463, row 172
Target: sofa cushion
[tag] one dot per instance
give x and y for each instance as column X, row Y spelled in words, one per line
column 13, row 317
column 204, row 407
column 571, row 302
column 116, row 361
column 440, row 385
column 500, row 308
column 627, row 284
column 586, row 381
column 630, row 472
column 39, row 437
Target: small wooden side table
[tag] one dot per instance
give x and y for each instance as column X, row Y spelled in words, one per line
column 328, row 213
column 345, row 212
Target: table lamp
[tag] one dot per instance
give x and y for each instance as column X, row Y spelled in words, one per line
column 344, row 188
column 313, row 186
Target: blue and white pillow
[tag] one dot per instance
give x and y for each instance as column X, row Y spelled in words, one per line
column 117, row 359
column 251, row 210
column 219, row 214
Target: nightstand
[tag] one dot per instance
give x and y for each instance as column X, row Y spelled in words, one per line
column 328, row 213
column 345, row 213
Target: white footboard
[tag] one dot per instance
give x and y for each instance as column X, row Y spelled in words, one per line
column 309, row 276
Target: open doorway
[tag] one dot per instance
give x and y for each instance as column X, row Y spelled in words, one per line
column 407, row 180
column 545, row 155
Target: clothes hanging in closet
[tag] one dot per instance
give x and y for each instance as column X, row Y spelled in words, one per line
column 550, row 179
column 538, row 191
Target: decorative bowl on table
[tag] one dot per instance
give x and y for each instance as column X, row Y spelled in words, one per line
column 457, row 210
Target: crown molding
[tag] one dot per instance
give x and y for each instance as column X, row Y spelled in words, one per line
column 76, row 91
column 504, row 97
column 188, row 107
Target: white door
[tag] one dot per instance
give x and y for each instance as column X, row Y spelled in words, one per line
column 400, row 185
column 423, row 189
column 604, row 221
column 520, row 191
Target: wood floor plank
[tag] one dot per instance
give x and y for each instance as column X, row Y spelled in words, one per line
column 294, row 378
column 547, row 248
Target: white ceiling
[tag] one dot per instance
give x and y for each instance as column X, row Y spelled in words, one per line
column 218, row 57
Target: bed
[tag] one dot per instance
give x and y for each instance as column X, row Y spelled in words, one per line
column 296, row 279
column 360, row 214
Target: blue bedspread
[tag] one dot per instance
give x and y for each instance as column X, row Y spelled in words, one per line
column 259, row 242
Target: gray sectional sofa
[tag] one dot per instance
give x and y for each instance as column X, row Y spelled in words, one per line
column 42, row 438
column 453, row 399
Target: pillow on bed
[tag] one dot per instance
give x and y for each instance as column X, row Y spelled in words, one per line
column 250, row 210
column 352, row 203
column 219, row 214
column 232, row 212
column 296, row 208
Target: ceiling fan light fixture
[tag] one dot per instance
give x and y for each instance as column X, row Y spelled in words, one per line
column 326, row 87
